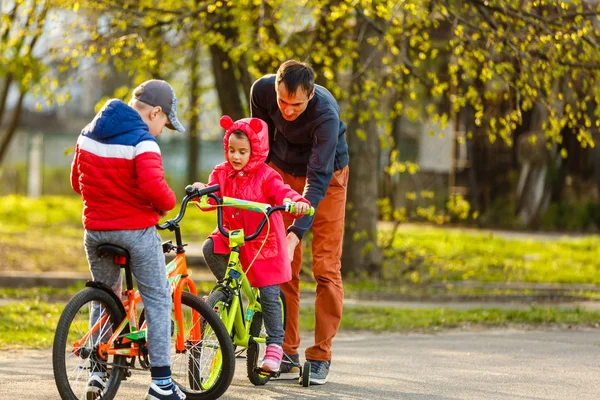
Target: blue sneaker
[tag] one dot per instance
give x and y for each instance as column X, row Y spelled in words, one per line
column 156, row 393
column 319, row 371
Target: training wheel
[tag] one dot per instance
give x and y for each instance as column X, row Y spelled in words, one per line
column 306, row 374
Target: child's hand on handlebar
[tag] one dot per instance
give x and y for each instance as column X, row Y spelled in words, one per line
column 199, row 185
column 301, row 208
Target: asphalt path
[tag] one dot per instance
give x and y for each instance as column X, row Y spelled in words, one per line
column 488, row 364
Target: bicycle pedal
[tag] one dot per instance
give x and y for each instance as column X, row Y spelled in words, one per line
column 272, row 374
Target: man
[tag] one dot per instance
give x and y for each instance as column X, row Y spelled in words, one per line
column 308, row 148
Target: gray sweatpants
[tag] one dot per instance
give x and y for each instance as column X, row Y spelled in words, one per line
column 148, row 268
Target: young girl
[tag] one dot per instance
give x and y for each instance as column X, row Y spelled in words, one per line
column 246, row 176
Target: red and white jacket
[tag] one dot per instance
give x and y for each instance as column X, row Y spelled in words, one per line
column 118, row 171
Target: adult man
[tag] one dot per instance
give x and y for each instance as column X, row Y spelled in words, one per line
column 308, row 148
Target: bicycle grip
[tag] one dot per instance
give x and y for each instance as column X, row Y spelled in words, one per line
column 189, row 189
column 309, row 212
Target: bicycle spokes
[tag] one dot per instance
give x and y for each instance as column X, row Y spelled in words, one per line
column 199, row 365
column 86, row 324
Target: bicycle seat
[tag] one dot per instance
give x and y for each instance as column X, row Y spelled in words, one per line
column 119, row 254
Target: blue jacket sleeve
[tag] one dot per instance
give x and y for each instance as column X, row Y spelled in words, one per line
column 319, row 170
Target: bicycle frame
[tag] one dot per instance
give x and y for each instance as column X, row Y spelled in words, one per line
column 179, row 280
column 236, row 282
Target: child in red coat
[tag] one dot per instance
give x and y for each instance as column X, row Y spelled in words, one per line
column 246, row 176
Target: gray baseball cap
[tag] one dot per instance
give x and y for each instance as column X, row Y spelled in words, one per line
column 159, row 93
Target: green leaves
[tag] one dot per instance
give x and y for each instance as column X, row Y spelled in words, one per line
column 473, row 53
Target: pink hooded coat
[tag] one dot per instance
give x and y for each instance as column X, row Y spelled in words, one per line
column 255, row 182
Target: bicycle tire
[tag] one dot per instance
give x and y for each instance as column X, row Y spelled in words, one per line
column 305, row 378
column 254, row 350
column 216, row 300
column 205, row 369
column 62, row 346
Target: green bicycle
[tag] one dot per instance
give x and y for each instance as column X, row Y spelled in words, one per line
column 233, row 299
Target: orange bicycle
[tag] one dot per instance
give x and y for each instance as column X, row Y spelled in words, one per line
column 99, row 332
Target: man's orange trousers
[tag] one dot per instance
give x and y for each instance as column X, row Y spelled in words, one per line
column 328, row 232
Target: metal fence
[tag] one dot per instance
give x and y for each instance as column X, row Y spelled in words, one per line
column 39, row 164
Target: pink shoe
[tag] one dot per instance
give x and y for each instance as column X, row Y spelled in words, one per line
column 272, row 359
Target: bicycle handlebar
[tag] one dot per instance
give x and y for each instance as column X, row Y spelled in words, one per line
column 190, row 193
column 267, row 209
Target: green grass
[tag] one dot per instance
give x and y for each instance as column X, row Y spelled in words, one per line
column 432, row 254
column 377, row 319
column 28, row 324
column 40, row 293
column 55, row 295
column 31, row 323
column 46, row 234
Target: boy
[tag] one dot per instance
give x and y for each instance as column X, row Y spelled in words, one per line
column 118, row 172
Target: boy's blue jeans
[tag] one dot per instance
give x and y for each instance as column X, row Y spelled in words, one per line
column 148, row 268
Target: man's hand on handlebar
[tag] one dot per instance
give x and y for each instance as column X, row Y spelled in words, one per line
column 301, row 208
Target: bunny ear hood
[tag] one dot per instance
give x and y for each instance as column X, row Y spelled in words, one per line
column 258, row 134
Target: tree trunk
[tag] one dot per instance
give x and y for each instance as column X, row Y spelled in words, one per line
column 4, row 95
column 194, row 142
column 223, row 66
column 12, row 127
column 246, row 80
column 361, row 252
column 226, row 83
column 40, row 20
column 392, row 186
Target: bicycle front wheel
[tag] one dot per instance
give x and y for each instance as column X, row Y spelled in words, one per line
column 205, row 368
column 88, row 320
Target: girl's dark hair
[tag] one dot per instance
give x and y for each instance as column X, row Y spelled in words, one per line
column 296, row 74
column 240, row 134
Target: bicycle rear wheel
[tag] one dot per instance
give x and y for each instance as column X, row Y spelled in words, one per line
column 75, row 354
column 205, row 368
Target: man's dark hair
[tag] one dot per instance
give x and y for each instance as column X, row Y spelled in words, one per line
column 296, row 74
